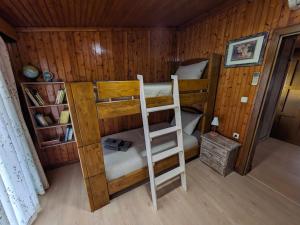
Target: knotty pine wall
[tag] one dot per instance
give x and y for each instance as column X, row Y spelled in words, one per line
column 92, row 55
column 212, row 33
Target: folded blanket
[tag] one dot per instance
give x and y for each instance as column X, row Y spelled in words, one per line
column 117, row 144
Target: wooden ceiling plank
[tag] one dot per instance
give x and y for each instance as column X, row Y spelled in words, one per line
column 83, row 15
column 15, row 11
column 53, row 12
column 39, row 11
column 71, row 5
column 104, row 13
column 90, row 10
column 64, row 12
column 29, row 11
column 43, row 9
column 10, row 14
column 77, row 12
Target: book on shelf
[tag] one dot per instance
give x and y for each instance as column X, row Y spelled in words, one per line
column 68, row 134
column 32, row 99
column 38, row 97
column 40, row 119
column 35, row 97
column 60, row 96
column 49, row 120
column 64, row 117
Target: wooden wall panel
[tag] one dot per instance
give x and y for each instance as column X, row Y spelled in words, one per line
column 212, row 33
column 107, row 54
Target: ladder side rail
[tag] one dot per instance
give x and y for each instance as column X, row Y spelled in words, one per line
column 147, row 141
column 176, row 100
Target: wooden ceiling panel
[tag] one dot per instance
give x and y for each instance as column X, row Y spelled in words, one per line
column 103, row 13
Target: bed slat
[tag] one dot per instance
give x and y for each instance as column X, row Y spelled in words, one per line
column 118, row 108
column 193, row 98
column 117, row 89
column 193, row 85
column 159, row 101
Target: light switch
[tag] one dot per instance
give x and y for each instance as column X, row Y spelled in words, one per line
column 244, row 99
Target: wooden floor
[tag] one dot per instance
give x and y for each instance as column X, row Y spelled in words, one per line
column 210, row 200
column 277, row 164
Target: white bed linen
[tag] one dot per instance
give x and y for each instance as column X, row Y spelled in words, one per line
column 158, row 89
column 118, row 164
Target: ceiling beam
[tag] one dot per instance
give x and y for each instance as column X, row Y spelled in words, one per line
column 7, row 29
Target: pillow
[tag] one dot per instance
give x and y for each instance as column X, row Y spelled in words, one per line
column 191, row 72
column 189, row 121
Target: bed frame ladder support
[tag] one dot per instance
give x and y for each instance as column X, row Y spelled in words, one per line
column 153, row 158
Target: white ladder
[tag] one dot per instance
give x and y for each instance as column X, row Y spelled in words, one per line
column 153, row 158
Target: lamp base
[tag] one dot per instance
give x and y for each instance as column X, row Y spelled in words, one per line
column 214, row 129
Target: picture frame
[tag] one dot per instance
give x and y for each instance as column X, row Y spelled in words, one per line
column 246, row 51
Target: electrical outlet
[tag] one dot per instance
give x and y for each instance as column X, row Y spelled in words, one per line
column 236, row 136
column 244, row 99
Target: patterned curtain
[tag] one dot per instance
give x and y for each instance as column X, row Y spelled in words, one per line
column 21, row 174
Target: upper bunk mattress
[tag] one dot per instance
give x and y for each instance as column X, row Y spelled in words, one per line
column 118, row 164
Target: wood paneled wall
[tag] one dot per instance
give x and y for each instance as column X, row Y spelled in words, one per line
column 91, row 55
column 119, row 54
column 212, row 33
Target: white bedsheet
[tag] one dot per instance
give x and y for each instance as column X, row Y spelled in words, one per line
column 158, row 89
column 118, row 164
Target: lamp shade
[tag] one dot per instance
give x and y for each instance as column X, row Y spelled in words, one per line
column 215, row 121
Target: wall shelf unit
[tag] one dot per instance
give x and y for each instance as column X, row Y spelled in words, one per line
column 55, row 140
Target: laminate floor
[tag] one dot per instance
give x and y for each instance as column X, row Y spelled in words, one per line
column 277, row 164
column 211, row 200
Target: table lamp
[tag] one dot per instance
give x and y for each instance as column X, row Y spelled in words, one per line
column 215, row 123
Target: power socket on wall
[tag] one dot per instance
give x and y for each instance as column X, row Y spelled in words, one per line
column 236, row 136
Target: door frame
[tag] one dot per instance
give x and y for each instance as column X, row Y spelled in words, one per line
column 244, row 165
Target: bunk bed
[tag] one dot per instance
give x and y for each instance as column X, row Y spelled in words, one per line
column 106, row 173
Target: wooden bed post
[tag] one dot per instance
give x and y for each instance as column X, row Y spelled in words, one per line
column 83, row 111
column 213, row 76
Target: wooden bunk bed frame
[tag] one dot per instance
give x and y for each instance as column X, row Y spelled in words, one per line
column 86, row 111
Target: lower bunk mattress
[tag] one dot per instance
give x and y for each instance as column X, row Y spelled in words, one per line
column 118, row 163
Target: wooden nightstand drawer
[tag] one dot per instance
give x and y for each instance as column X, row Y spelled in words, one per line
column 213, row 156
column 214, row 148
column 212, row 163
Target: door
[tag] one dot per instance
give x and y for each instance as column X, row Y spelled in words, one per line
column 286, row 125
column 275, row 87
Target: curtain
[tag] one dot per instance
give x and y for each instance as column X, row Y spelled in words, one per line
column 21, row 175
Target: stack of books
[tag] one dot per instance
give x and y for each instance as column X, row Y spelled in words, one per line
column 69, row 134
column 35, row 97
column 42, row 120
column 60, row 96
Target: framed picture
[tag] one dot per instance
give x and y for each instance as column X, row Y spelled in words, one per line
column 246, row 51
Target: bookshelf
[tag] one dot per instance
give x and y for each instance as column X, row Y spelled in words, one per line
column 45, row 104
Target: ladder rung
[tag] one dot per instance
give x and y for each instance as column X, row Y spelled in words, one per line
column 167, row 176
column 158, row 133
column 165, row 154
column 161, row 108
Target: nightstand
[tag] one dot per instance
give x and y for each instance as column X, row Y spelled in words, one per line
column 218, row 152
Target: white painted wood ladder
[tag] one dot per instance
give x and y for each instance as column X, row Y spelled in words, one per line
column 153, row 158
